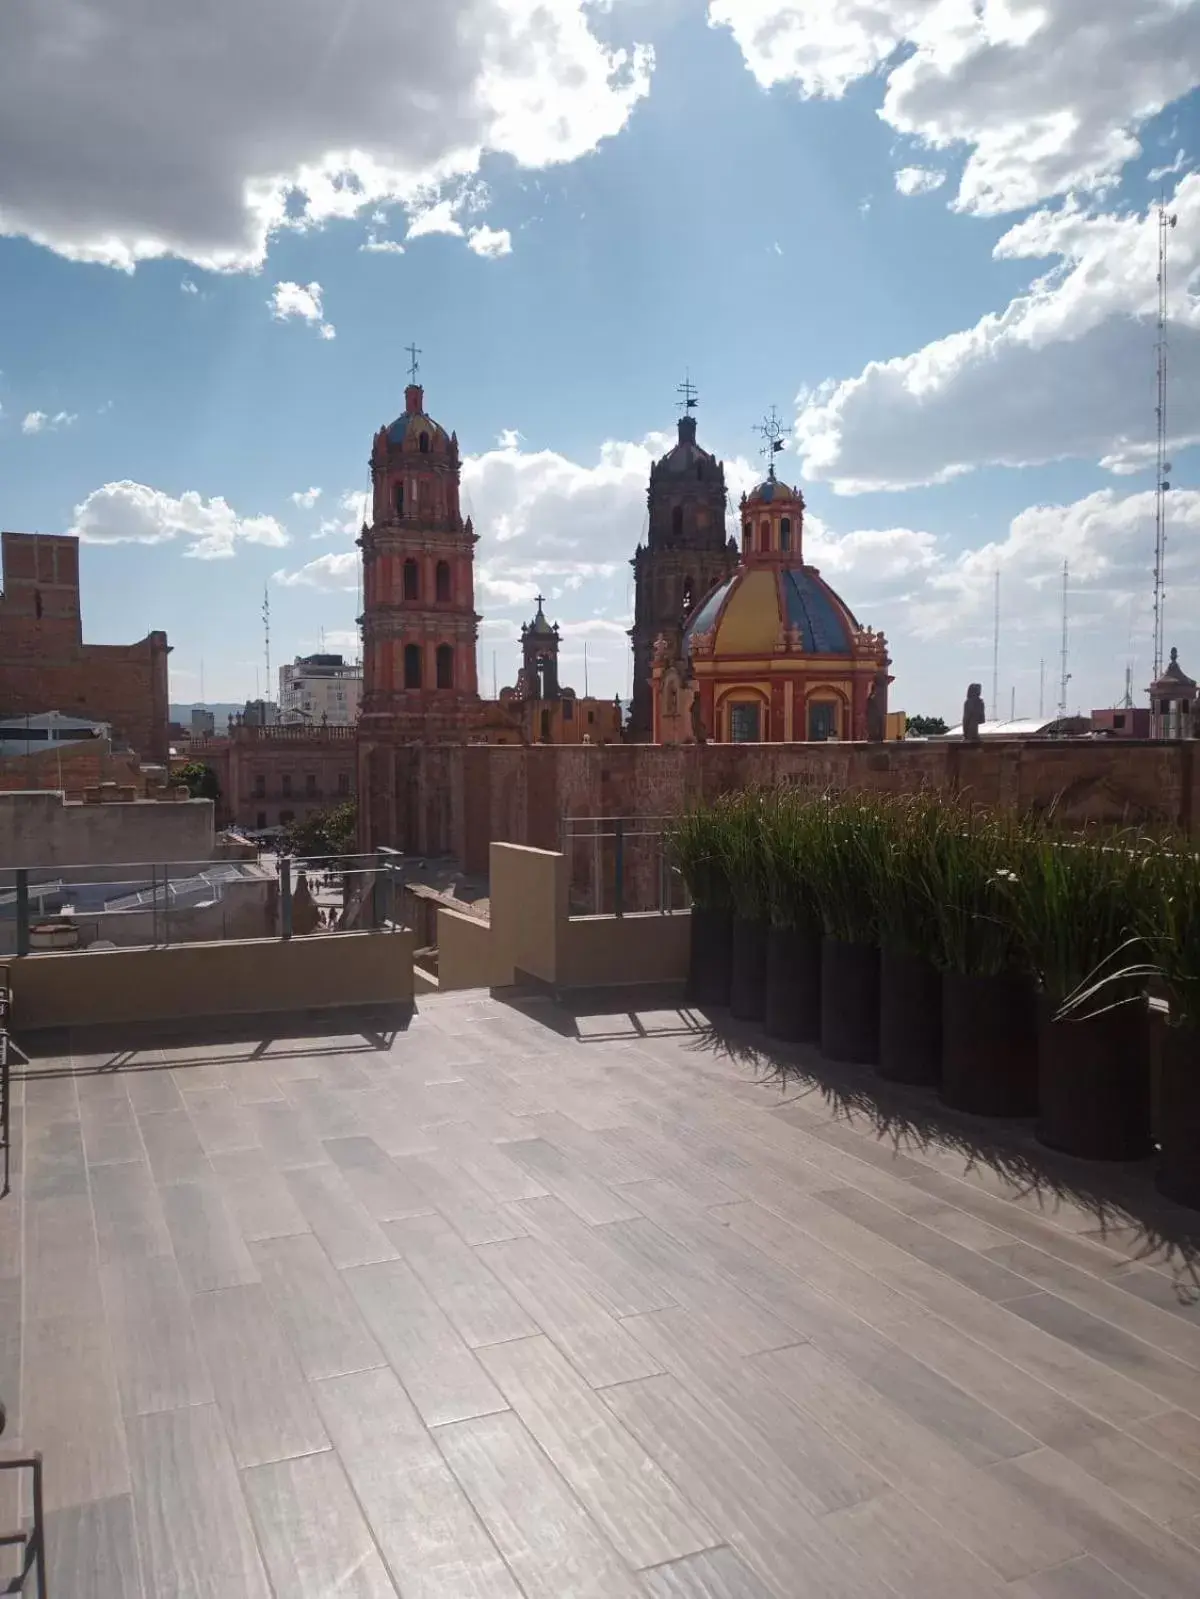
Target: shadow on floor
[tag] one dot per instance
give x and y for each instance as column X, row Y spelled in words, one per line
column 904, row 1120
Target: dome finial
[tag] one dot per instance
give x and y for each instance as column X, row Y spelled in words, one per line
column 771, row 429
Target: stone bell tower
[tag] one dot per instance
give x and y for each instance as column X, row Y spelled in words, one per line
column 686, row 554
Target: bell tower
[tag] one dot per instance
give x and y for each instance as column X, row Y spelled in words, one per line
column 539, row 656
column 685, row 556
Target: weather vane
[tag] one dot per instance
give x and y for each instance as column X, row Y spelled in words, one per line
column 690, row 393
column 772, row 432
column 414, row 365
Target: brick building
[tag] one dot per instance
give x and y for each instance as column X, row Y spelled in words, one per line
column 270, row 776
column 44, row 663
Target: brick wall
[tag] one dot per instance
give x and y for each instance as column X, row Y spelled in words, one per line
column 461, row 798
column 44, row 664
column 74, row 768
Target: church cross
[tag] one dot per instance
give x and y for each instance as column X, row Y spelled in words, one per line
column 414, row 365
column 690, row 394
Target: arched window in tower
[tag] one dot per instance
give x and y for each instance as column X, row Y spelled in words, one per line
column 785, row 533
column 423, row 444
column 677, row 522
column 412, row 666
column 445, row 666
column 442, row 581
column 412, row 581
column 699, row 471
column 747, row 532
column 764, row 534
column 398, row 498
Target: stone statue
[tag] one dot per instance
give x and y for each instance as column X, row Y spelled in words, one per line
column 973, row 715
column 877, row 708
column 698, row 732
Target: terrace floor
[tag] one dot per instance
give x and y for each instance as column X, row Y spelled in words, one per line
column 580, row 1303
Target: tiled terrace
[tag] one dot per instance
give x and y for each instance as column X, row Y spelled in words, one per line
column 515, row 1300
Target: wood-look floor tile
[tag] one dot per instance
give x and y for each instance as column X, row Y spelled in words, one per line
column 716, row 1574
column 61, row 1258
column 469, row 1210
column 173, row 1146
column 478, row 1304
column 642, row 1513
column 151, row 1088
column 424, row 1524
column 258, row 1196
column 54, row 1162
column 194, row 1529
column 157, row 1357
column 1084, row 1578
column 91, row 1551
column 488, row 1164
column 910, row 1555
column 220, row 1122
column 129, row 1216
column 348, row 1234
column 379, row 1185
column 110, row 1128
column 267, row 1407
column 312, row 1533
column 208, row 1246
column 591, row 1201
column 1174, row 1434
column 315, row 1308
column 442, row 1376
column 588, row 1253
column 284, row 1134
column 595, row 1342
column 70, row 1411
column 548, row 1539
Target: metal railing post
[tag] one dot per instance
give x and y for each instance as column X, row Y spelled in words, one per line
column 285, row 898
column 22, row 910
column 619, row 866
column 166, row 905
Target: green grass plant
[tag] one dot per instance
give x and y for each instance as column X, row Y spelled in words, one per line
column 850, row 834
column 695, row 842
column 970, row 877
column 906, row 875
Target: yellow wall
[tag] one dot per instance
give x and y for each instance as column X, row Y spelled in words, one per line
column 76, row 988
column 465, row 951
column 620, row 951
column 528, row 893
column 750, row 620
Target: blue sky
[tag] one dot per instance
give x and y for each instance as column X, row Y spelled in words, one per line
column 922, row 229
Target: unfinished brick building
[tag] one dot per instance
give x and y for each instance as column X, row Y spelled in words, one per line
column 45, row 665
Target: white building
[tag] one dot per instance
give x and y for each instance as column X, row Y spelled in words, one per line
column 318, row 688
column 31, row 735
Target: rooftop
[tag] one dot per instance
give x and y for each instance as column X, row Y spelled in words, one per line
column 545, row 1300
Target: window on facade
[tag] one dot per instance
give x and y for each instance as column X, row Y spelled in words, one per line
column 442, row 580
column 677, row 521
column 310, row 785
column 764, row 535
column 285, row 817
column 37, row 603
column 545, row 727
column 1118, row 721
column 445, row 666
column 412, row 666
column 285, row 785
column 260, row 820
column 260, row 788
column 591, row 717
column 423, row 444
column 822, row 720
column 412, row 581
column 568, row 710
column 343, row 784
column 785, row 533
column 745, row 721
column 398, row 499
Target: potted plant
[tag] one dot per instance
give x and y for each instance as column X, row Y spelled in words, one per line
column 1169, row 917
column 847, row 839
column 1076, row 901
column 989, row 1018
column 694, row 839
column 743, row 843
column 910, row 983
column 792, row 1006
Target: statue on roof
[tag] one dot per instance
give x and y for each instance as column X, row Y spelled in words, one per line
column 973, row 714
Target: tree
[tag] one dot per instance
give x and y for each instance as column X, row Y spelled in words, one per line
column 329, row 832
column 199, row 780
column 924, row 726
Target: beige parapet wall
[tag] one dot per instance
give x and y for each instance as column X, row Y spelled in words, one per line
column 234, row 977
column 532, row 934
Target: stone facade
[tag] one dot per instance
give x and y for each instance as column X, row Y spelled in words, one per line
column 45, row 665
column 270, row 776
column 686, row 554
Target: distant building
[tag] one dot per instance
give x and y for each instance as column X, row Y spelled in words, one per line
column 320, row 688
column 33, row 735
column 270, row 775
column 1122, row 721
column 44, row 661
column 258, row 713
column 1173, row 703
column 1029, row 727
column 540, row 710
column 203, row 722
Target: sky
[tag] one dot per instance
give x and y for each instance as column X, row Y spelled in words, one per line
column 925, row 230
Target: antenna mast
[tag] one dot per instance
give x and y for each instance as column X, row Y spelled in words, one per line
column 996, row 651
column 1041, row 688
column 266, row 616
column 1161, row 465
column 1066, row 676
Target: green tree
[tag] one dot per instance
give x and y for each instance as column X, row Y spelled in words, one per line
column 329, row 832
column 923, row 726
column 199, row 780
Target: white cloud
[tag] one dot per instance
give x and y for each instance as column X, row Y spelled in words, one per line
column 132, row 513
column 490, row 242
column 302, row 301
column 306, row 498
column 919, row 180
column 353, row 507
column 186, row 286
column 376, row 246
column 302, row 111
column 44, row 422
column 1066, row 370
column 338, row 571
column 1047, row 97
column 438, row 217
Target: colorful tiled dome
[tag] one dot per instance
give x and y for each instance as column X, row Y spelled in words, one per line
column 750, row 612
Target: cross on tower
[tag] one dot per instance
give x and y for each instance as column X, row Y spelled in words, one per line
column 772, row 432
column 690, row 394
column 541, row 600
column 414, row 365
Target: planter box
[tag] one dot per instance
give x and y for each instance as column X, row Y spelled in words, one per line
column 910, row 1019
column 793, row 1001
column 989, row 1045
column 710, row 957
column 850, row 1002
column 748, row 973
column 1179, row 1161
column 1094, row 1082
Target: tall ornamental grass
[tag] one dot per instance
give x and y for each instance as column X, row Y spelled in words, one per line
column 1169, row 923
column 742, row 844
column 791, row 831
column 850, row 835
column 906, row 874
column 971, row 872
column 695, row 841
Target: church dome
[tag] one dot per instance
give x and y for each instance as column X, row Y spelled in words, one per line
column 760, row 606
column 771, row 491
column 685, row 455
column 414, row 424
